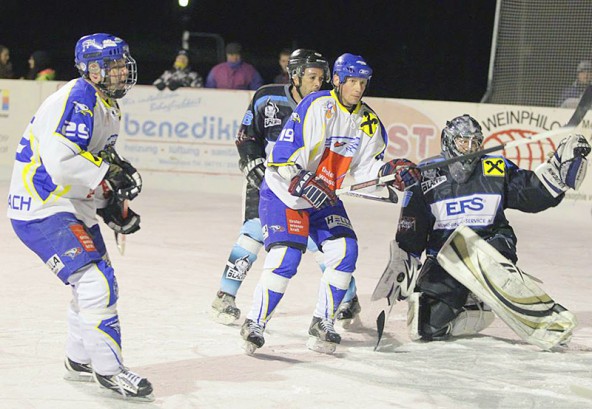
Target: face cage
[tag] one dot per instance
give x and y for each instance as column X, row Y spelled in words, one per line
column 116, row 89
column 464, row 145
column 462, row 169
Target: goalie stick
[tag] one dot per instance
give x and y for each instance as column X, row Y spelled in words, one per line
column 574, row 121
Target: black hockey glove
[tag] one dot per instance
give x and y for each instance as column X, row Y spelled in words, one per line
column 122, row 178
column 254, row 170
column 313, row 189
column 405, row 171
column 112, row 215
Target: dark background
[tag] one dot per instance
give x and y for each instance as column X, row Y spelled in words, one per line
column 419, row 49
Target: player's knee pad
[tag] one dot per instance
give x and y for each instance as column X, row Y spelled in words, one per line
column 435, row 281
column 96, row 297
column 283, row 260
column 252, row 229
column 337, row 278
column 95, row 286
column 341, row 254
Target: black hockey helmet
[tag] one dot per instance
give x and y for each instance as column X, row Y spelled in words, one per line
column 301, row 59
column 461, row 135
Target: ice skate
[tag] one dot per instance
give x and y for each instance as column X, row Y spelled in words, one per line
column 348, row 314
column 323, row 337
column 252, row 333
column 224, row 309
column 78, row 372
column 127, row 385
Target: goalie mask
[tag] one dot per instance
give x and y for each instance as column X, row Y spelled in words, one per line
column 105, row 60
column 461, row 135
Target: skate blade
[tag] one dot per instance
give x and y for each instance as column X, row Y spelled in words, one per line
column 350, row 323
column 78, row 377
column 250, row 348
column 134, row 399
column 323, row 347
column 222, row 318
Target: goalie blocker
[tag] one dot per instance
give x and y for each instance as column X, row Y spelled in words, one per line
column 527, row 309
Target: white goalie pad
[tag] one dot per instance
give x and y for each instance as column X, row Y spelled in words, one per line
column 399, row 277
column 528, row 310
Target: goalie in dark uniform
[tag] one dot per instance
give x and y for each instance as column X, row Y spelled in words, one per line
column 472, row 192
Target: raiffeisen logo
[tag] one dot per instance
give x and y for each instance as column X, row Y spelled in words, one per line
column 5, row 102
column 508, row 126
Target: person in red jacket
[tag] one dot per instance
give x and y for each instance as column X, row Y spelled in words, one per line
column 234, row 73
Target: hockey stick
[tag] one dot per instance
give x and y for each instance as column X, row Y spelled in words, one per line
column 383, row 316
column 120, row 239
column 392, row 197
column 574, row 121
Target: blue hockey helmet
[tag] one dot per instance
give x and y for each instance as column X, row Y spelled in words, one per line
column 98, row 53
column 350, row 65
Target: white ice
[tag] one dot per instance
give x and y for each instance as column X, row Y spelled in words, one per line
column 171, row 271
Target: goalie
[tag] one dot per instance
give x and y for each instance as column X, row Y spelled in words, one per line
column 462, row 269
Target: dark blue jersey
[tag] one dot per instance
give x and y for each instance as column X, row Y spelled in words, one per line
column 266, row 115
column 438, row 205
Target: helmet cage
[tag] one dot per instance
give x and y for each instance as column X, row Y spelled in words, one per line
column 100, row 54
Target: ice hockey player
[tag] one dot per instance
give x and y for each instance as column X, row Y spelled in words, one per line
column 66, row 171
column 266, row 115
column 474, row 193
column 328, row 134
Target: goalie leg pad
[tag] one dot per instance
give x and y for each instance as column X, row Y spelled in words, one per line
column 471, row 322
column 399, row 277
column 512, row 295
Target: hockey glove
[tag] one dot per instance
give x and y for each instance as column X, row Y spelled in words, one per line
column 405, row 171
column 313, row 189
column 570, row 160
column 122, row 178
column 113, row 217
column 254, row 170
column 567, row 167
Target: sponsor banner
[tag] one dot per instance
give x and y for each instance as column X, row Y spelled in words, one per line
column 192, row 131
column 182, row 131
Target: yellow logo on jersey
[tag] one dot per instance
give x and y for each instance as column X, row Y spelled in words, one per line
column 369, row 123
column 494, row 167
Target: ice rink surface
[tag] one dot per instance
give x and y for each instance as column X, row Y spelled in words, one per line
column 171, row 271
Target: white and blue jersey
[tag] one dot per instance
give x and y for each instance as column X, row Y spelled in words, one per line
column 323, row 137
column 57, row 167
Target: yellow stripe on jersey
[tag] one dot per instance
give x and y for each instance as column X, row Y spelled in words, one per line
column 92, row 158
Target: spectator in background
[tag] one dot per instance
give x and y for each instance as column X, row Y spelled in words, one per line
column 571, row 95
column 40, row 67
column 181, row 75
column 283, row 77
column 234, row 73
column 5, row 64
